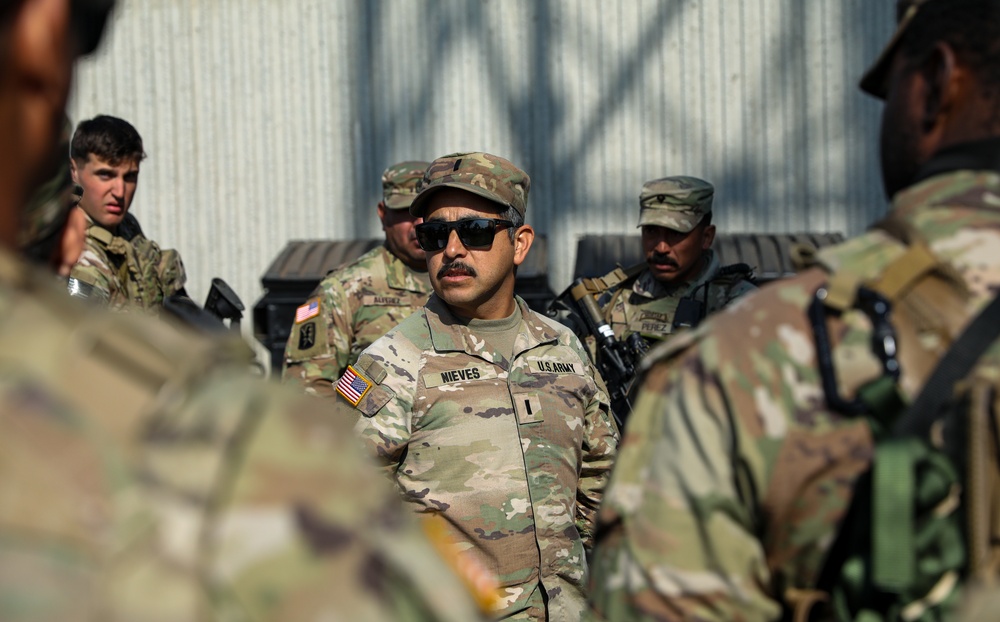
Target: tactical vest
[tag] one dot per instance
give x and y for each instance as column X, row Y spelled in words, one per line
column 690, row 310
column 925, row 519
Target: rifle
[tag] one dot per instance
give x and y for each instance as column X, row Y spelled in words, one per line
column 616, row 360
column 221, row 304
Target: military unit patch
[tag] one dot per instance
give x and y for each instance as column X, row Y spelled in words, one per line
column 307, row 311
column 307, row 336
column 352, row 386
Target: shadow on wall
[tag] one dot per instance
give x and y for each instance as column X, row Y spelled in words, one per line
column 816, row 187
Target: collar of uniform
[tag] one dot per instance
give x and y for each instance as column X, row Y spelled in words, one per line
column 953, row 213
column 647, row 286
column 979, row 155
column 398, row 275
column 450, row 334
column 941, row 205
column 105, row 238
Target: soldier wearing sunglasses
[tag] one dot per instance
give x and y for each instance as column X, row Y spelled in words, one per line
column 483, row 411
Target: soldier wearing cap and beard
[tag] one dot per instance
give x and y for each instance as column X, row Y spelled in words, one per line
column 363, row 300
column 748, row 485
column 196, row 492
column 681, row 280
column 483, row 412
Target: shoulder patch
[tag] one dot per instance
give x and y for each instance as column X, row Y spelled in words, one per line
column 353, row 386
column 307, row 311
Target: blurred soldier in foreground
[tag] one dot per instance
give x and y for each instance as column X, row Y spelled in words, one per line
column 120, row 268
column 361, row 301
column 144, row 477
column 798, row 452
column 485, row 413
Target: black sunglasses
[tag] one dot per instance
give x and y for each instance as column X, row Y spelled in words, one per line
column 472, row 232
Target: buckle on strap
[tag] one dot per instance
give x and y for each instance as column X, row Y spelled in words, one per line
column 878, row 309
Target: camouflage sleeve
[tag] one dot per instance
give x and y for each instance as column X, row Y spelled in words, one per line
column 600, row 446
column 319, row 348
column 309, row 530
column 386, row 409
column 91, row 278
column 739, row 289
column 677, row 541
column 170, row 268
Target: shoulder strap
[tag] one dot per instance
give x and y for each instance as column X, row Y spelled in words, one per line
column 616, row 277
column 953, row 366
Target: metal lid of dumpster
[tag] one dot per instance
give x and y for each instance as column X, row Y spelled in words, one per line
column 768, row 253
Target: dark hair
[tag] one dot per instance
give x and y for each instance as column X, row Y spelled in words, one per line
column 706, row 220
column 515, row 217
column 970, row 27
column 109, row 138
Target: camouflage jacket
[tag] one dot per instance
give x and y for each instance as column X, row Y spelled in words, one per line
column 356, row 304
column 514, row 455
column 146, row 478
column 646, row 306
column 126, row 271
column 735, row 473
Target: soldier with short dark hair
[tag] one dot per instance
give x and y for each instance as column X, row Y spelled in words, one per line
column 483, row 412
column 777, row 466
column 120, row 268
column 359, row 302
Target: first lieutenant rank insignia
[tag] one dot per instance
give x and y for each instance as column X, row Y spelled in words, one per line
column 352, row 386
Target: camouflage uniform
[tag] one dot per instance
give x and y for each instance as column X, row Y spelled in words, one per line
column 198, row 492
column 647, row 306
column 126, row 271
column 357, row 303
column 736, row 473
column 514, row 455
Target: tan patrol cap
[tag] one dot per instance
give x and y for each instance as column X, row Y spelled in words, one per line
column 484, row 174
column 400, row 183
column 677, row 203
column 873, row 82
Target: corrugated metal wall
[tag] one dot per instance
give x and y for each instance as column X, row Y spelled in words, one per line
column 270, row 120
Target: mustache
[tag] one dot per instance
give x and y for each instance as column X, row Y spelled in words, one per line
column 456, row 265
column 663, row 259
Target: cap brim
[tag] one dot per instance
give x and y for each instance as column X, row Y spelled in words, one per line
column 874, row 80
column 682, row 224
column 398, row 202
column 418, row 207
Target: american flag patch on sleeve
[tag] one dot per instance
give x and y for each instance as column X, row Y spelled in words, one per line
column 353, row 386
column 307, row 311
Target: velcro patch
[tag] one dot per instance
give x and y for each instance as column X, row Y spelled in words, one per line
column 307, row 336
column 466, row 374
column 307, row 311
column 542, row 366
column 528, row 408
column 651, row 328
column 381, row 301
column 353, row 386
